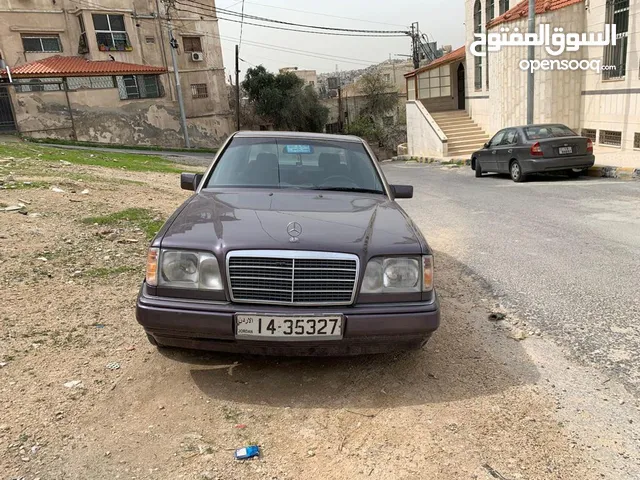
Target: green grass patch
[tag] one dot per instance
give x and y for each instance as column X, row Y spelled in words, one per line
column 149, row 148
column 110, row 271
column 142, row 218
column 124, row 161
column 23, row 185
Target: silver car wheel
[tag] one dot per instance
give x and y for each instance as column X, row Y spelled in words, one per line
column 515, row 170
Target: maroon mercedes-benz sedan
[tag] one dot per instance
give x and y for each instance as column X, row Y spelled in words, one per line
column 293, row 244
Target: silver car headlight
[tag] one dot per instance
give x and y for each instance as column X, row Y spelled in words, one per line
column 398, row 275
column 184, row 269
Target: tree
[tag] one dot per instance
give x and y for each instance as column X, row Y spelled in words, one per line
column 284, row 100
column 380, row 100
column 380, row 96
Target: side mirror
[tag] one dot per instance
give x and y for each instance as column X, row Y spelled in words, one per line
column 486, row 145
column 402, row 191
column 190, row 181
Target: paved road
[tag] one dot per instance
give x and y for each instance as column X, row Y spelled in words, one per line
column 564, row 253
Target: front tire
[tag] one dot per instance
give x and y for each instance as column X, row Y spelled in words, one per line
column 478, row 169
column 515, row 169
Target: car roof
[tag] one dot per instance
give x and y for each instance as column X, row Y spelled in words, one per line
column 538, row 125
column 300, row 135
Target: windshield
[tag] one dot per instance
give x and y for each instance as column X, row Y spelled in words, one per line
column 540, row 132
column 296, row 163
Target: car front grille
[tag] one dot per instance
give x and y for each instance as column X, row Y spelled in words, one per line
column 292, row 277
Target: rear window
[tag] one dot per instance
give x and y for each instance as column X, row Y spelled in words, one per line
column 295, row 163
column 540, row 132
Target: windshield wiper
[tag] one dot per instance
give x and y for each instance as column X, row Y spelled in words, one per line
column 349, row 189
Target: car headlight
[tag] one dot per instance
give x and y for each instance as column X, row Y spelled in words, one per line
column 398, row 275
column 183, row 269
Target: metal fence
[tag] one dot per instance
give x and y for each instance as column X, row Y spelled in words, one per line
column 7, row 117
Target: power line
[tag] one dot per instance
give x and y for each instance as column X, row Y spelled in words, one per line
column 294, row 51
column 234, row 4
column 289, row 29
column 197, row 4
column 249, row 63
column 241, row 27
column 321, row 14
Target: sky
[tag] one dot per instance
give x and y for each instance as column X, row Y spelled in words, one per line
column 442, row 20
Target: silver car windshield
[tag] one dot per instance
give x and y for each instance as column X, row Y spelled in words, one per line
column 296, row 163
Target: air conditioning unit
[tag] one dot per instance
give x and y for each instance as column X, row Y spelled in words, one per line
column 197, row 56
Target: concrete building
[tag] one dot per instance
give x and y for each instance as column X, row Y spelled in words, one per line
column 353, row 99
column 310, row 77
column 602, row 105
column 394, row 71
column 437, row 120
column 111, row 64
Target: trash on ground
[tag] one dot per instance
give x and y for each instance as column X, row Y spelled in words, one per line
column 85, row 192
column 240, row 425
column 14, row 208
column 519, row 334
column 73, row 384
column 57, row 190
column 113, row 366
column 496, row 317
column 493, row 472
column 247, row 452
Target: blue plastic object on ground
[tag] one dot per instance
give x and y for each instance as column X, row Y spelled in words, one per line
column 247, row 452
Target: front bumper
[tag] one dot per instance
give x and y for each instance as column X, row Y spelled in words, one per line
column 205, row 325
column 539, row 165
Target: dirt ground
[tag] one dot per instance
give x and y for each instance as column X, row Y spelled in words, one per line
column 470, row 405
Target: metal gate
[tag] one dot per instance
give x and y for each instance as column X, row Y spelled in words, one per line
column 7, row 120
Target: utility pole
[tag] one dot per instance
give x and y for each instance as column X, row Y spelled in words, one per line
column 340, row 129
column 415, row 40
column 173, row 43
column 532, row 53
column 237, row 88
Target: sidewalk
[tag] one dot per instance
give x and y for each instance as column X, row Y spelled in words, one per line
column 611, row 156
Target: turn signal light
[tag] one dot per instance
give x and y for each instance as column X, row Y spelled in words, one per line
column 589, row 145
column 152, row 266
column 536, row 150
column 427, row 272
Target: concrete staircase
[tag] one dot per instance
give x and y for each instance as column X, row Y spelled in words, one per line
column 465, row 137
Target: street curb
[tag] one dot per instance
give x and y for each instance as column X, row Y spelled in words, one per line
column 601, row 171
column 624, row 173
column 439, row 160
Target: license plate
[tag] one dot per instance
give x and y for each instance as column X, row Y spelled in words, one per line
column 289, row 327
column 565, row 150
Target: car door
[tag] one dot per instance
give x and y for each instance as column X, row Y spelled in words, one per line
column 506, row 150
column 488, row 160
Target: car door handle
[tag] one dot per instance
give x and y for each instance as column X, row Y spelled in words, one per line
column 511, row 150
column 494, row 152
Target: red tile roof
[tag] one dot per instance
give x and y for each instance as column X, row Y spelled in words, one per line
column 59, row 66
column 451, row 57
column 522, row 10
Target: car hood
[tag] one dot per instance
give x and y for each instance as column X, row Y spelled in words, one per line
column 362, row 224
